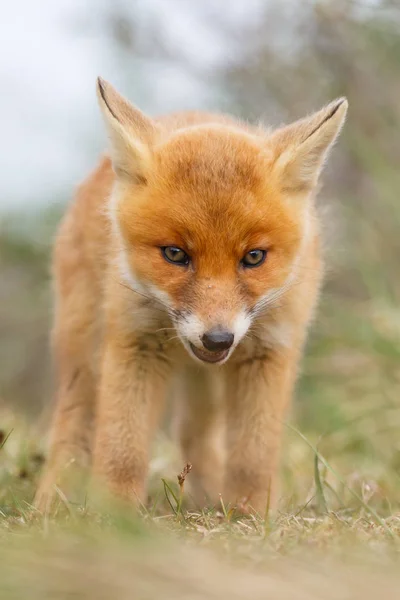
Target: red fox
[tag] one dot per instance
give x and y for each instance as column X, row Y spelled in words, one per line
column 191, row 257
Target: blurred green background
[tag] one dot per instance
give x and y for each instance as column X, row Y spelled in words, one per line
column 275, row 61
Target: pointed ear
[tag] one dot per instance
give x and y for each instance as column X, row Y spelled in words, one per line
column 301, row 148
column 131, row 133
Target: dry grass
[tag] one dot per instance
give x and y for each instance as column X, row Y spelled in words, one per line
column 337, row 529
column 335, row 535
column 93, row 566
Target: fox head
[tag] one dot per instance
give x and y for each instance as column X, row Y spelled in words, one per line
column 213, row 216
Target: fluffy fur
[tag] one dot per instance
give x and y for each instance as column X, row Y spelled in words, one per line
column 127, row 320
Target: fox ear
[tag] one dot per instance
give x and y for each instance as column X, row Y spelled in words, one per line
column 302, row 147
column 131, row 133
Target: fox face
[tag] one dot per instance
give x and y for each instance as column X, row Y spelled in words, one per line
column 212, row 217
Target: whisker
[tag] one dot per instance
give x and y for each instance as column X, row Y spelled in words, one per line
column 270, row 302
column 174, row 337
column 149, row 298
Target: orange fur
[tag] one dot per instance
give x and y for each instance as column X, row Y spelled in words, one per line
column 128, row 322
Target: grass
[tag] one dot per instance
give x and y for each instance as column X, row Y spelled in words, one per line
column 335, row 535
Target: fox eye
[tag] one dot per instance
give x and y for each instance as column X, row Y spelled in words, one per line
column 174, row 255
column 254, row 258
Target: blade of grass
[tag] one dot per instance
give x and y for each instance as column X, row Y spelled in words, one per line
column 319, row 490
column 223, row 507
column 366, row 506
column 304, row 506
column 267, row 520
column 6, row 438
column 64, row 501
column 167, row 491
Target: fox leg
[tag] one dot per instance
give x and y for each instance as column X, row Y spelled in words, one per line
column 135, row 375
column 72, row 426
column 258, row 394
column 201, row 433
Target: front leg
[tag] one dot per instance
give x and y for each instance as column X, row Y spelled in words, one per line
column 258, row 394
column 134, row 379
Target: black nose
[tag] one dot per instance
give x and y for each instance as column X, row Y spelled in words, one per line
column 217, row 339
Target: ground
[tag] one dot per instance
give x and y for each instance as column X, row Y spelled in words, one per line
column 336, row 533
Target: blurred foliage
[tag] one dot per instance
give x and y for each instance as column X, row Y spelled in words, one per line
column 25, row 313
column 295, row 58
column 291, row 60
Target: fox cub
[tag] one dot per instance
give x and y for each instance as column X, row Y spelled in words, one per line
column 190, row 257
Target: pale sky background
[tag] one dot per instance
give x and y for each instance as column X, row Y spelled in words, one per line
column 50, row 54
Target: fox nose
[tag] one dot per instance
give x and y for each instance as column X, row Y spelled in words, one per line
column 217, row 339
